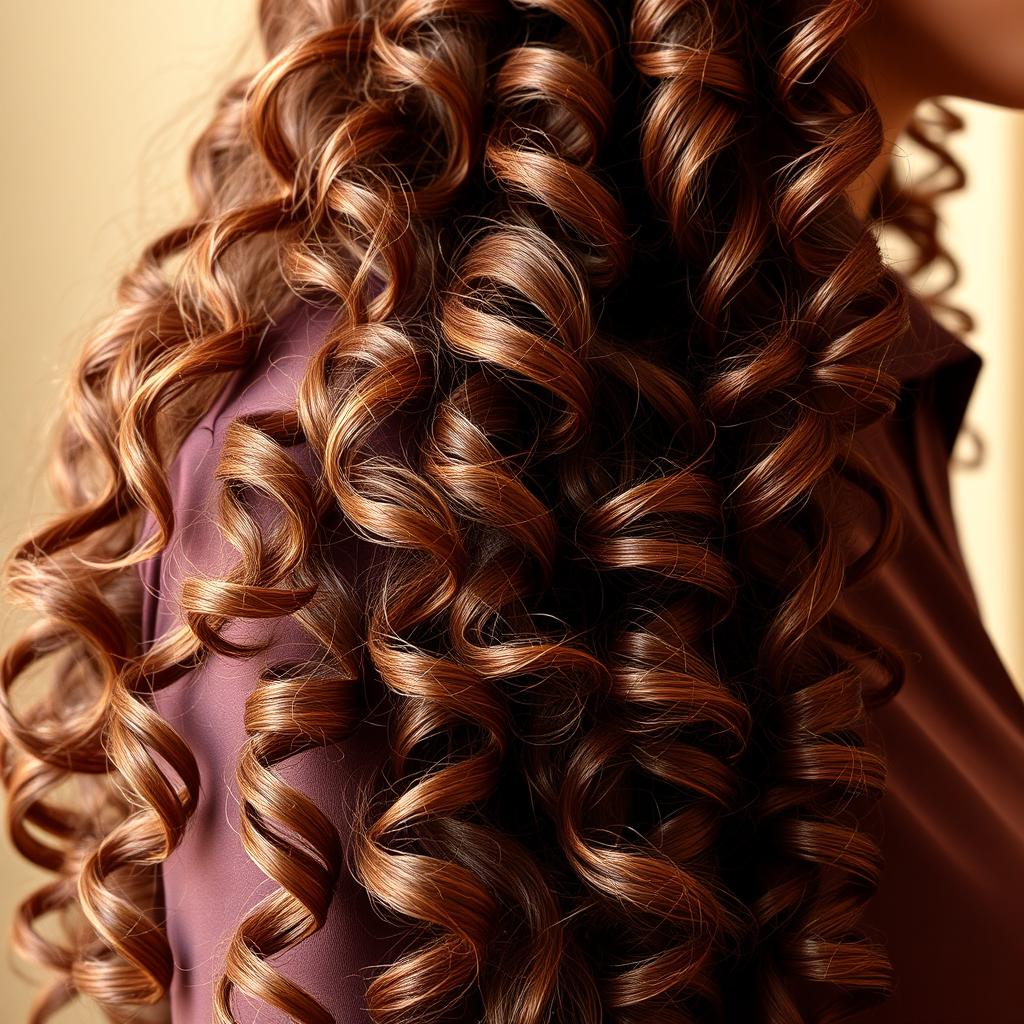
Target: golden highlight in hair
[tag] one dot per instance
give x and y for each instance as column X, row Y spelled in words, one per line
column 596, row 267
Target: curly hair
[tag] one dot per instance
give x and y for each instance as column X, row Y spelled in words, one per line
column 597, row 265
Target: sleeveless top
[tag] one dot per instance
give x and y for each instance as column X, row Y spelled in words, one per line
column 951, row 902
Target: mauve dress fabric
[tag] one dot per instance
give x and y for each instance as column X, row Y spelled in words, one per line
column 951, row 902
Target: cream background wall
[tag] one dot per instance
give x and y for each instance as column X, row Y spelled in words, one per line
column 99, row 103
column 985, row 226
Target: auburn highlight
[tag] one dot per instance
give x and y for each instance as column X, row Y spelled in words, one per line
column 603, row 330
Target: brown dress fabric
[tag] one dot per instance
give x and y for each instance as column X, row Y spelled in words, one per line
column 951, row 904
column 951, row 900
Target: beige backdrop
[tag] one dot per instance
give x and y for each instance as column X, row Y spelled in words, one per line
column 100, row 101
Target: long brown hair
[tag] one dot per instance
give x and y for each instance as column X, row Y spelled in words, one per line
column 598, row 264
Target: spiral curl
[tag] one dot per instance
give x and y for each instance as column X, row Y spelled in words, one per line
column 604, row 330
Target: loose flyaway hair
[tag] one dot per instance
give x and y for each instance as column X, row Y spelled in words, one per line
column 595, row 265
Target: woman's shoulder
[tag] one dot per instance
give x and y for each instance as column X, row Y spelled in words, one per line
column 268, row 381
column 929, row 344
column 939, row 364
column 270, row 377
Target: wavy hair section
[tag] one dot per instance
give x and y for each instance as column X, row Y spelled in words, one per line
column 797, row 312
column 604, row 329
